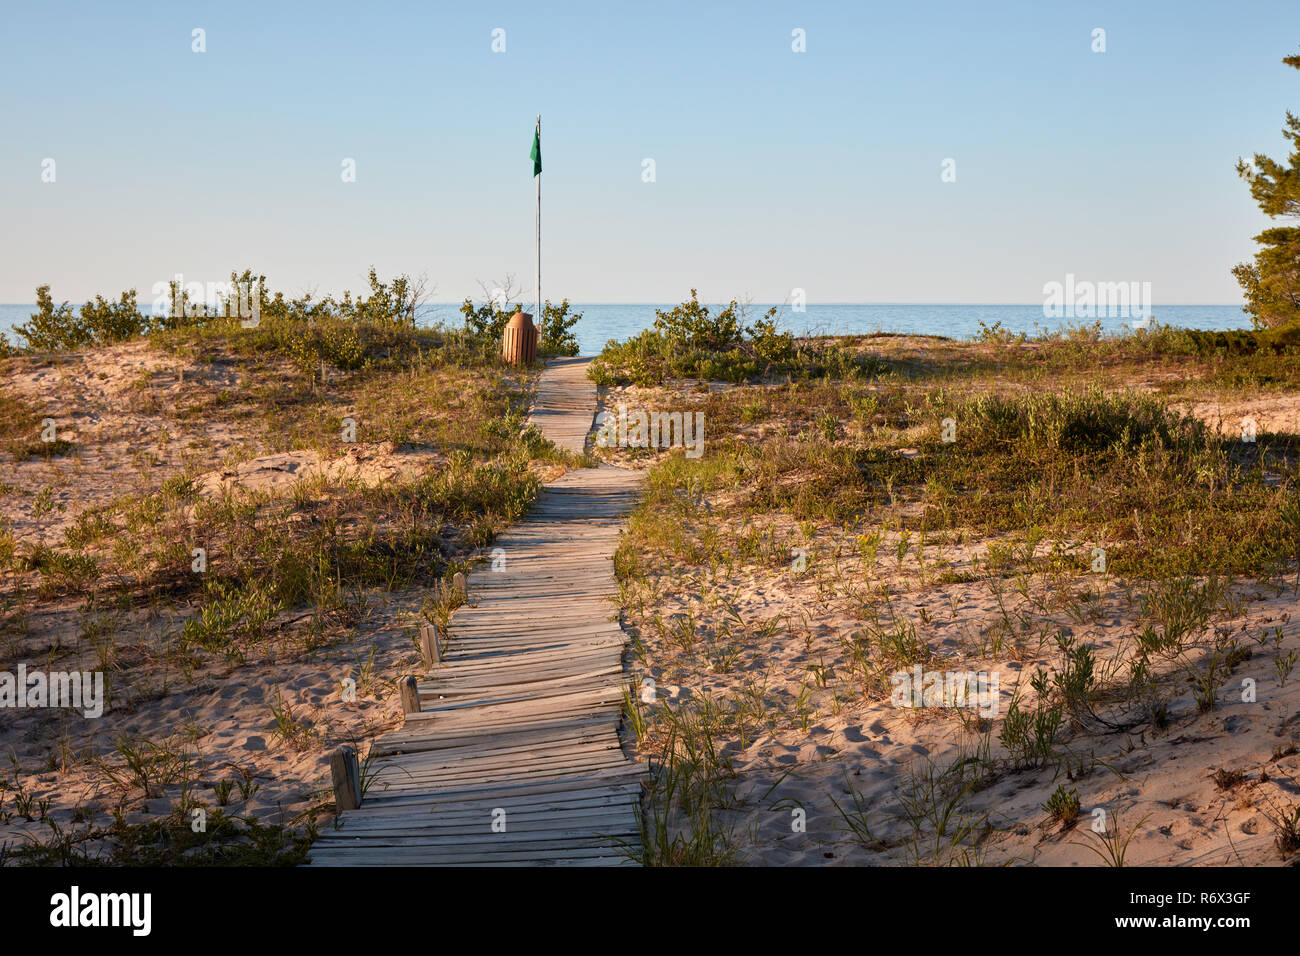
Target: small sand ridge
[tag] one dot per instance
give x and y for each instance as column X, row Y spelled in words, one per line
column 518, row 725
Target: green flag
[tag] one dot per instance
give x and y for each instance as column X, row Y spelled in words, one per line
column 536, row 154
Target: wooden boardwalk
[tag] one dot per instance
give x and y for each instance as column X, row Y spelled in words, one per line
column 566, row 403
column 514, row 757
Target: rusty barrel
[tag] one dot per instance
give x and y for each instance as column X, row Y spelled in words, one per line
column 519, row 346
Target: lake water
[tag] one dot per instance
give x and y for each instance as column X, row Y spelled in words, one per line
column 602, row 322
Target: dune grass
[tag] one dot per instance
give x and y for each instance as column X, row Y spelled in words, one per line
column 1049, row 472
column 282, row 577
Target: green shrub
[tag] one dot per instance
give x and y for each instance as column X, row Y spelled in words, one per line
column 1277, row 340
column 389, row 306
column 690, row 324
column 489, row 319
column 770, row 346
column 52, row 328
column 690, row 342
column 332, row 341
column 1078, row 421
column 106, row 322
column 392, row 303
column 997, row 335
column 557, row 329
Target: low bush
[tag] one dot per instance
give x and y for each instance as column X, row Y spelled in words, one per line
column 337, row 331
column 1279, row 340
column 1078, row 421
column 690, row 341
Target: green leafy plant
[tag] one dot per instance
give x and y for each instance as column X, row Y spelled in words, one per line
column 105, row 322
column 558, row 337
column 1112, row 845
column 1030, row 736
column 691, row 324
column 1063, row 806
column 997, row 335
column 52, row 327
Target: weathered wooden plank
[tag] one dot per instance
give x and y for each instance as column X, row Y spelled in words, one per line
column 421, row 856
column 534, row 793
column 475, row 738
column 419, row 780
column 520, row 816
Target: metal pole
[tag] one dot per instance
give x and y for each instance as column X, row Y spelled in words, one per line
column 537, row 278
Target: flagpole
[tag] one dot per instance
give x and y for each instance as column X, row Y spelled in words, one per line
column 537, row 278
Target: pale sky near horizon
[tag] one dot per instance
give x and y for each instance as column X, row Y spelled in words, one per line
column 774, row 170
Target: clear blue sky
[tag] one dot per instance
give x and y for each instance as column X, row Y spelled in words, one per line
column 775, row 170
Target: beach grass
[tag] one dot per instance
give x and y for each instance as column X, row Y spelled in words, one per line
column 268, row 507
column 1075, row 492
